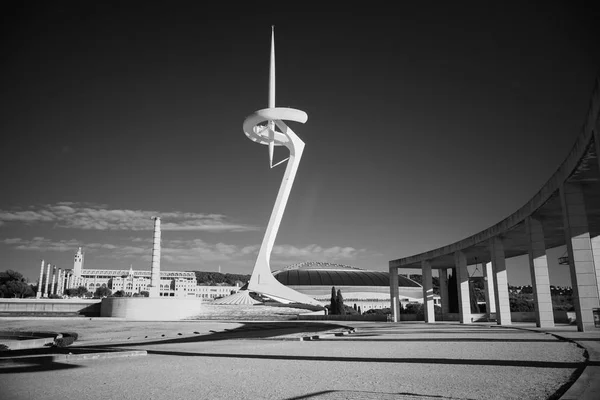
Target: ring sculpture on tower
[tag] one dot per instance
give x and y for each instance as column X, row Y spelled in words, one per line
column 266, row 127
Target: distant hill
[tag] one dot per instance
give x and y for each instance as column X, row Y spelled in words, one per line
column 217, row 278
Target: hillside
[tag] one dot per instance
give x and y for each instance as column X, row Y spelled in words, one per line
column 217, row 278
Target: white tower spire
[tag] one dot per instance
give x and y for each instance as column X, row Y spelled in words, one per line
column 262, row 280
column 272, row 70
column 271, row 124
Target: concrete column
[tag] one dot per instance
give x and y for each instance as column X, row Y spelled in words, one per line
column 444, row 290
column 38, row 295
column 53, row 283
column 62, row 282
column 581, row 259
column 540, row 279
column 488, row 287
column 428, row 307
column 58, row 277
column 394, row 300
column 155, row 271
column 462, row 286
column 500, row 282
column 596, row 253
column 46, row 293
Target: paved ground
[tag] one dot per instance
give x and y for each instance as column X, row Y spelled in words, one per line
column 265, row 360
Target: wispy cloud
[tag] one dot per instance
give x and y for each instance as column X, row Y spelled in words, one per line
column 188, row 251
column 41, row 244
column 89, row 216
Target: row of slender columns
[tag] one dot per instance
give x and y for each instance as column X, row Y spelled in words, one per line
column 55, row 281
column 583, row 248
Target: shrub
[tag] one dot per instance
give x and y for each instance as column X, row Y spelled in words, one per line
column 378, row 311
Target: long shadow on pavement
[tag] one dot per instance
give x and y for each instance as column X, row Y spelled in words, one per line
column 364, row 395
column 246, row 331
column 446, row 361
column 353, row 339
column 37, row 364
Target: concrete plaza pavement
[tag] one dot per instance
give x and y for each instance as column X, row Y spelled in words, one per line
column 266, row 360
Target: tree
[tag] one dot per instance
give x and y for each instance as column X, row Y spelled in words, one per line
column 333, row 308
column 145, row 293
column 118, row 293
column 13, row 284
column 81, row 291
column 341, row 310
column 217, row 278
column 102, row 291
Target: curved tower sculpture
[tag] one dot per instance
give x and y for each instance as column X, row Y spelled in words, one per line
column 266, row 127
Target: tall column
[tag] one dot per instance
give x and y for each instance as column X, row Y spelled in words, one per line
column 581, row 260
column 46, row 292
column 462, row 286
column 52, row 284
column 500, row 282
column 58, row 275
column 394, row 300
column 155, row 271
column 540, row 279
column 444, row 290
column 428, row 307
column 62, row 283
column 596, row 253
column 38, row 295
column 488, row 286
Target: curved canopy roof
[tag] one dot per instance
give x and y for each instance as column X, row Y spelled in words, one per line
column 326, row 274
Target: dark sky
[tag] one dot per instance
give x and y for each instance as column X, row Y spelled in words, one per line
column 426, row 125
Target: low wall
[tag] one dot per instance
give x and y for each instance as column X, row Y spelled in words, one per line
column 561, row 317
column 151, row 308
column 88, row 308
column 329, row 317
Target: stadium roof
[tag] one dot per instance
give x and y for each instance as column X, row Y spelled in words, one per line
column 315, row 273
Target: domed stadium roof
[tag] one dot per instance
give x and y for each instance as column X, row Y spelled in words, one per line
column 314, row 273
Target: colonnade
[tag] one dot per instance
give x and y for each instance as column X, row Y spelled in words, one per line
column 56, row 280
column 583, row 249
